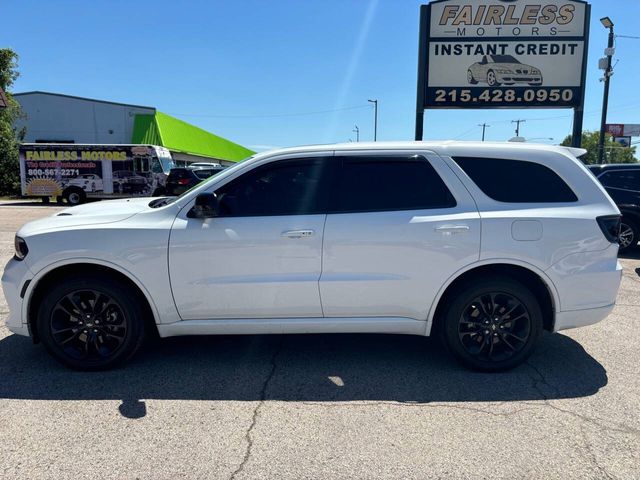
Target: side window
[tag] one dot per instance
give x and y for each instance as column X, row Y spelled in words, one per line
column 516, row 181
column 369, row 184
column 285, row 187
column 626, row 179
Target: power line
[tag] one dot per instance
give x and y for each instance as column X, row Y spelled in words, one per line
column 272, row 115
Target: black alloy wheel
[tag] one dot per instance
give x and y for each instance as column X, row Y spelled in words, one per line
column 492, row 324
column 628, row 236
column 88, row 325
column 90, row 322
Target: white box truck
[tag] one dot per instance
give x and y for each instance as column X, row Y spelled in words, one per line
column 74, row 172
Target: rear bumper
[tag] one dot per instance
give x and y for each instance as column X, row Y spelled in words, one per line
column 581, row 318
column 587, row 280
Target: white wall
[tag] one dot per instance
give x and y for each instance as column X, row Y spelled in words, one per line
column 57, row 117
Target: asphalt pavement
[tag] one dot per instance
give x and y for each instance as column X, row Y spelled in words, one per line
column 324, row 406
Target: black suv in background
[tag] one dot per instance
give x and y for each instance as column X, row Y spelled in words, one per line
column 182, row 179
column 622, row 182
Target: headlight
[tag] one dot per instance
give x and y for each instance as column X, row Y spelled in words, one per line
column 21, row 248
column 535, row 71
column 502, row 70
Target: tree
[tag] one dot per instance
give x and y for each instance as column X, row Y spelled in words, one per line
column 9, row 137
column 613, row 152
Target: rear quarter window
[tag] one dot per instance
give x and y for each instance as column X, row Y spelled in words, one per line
column 516, row 181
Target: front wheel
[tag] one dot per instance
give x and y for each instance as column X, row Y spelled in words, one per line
column 90, row 323
column 470, row 78
column 492, row 324
column 492, row 80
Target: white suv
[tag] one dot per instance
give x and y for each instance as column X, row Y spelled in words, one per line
column 486, row 244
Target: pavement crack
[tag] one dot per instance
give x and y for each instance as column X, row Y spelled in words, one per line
column 256, row 411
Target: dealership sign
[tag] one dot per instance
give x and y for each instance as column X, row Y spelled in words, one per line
column 623, row 129
column 503, row 53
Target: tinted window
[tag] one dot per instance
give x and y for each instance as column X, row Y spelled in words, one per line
column 390, row 183
column 626, row 179
column 516, row 181
column 286, row 187
column 203, row 173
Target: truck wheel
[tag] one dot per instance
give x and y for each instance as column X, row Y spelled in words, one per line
column 45, row 200
column 159, row 192
column 492, row 324
column 89, row 322
column 74, row 196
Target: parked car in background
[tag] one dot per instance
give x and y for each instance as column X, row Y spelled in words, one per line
column 182, row 179
column 622, row 182
column 483, row 244
column 204, row 165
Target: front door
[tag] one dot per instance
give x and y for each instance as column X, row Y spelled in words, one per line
column 400, row 225
column 261, row 257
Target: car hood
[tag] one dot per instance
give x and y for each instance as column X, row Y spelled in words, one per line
column 106, row 211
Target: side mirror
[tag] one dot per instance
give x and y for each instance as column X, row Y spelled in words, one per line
column 206, row 206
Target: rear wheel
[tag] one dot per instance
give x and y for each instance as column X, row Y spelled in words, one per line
column 492, row 324
column 90, row 323
column 46, row 200
column 628, row 237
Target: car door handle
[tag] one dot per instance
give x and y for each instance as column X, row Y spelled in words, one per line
column 297, row 233
column 452, row 229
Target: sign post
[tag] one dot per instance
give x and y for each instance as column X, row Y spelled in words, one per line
column 502, row 54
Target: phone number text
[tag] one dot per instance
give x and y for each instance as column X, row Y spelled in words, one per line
column 488, row 97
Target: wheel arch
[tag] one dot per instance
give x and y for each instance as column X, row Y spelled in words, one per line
column 529, row 275
column 49, row 275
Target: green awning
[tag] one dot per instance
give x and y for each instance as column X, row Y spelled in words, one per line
column 176, row 135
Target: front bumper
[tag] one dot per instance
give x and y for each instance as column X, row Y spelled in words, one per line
column 16, row 273
column 518, row 78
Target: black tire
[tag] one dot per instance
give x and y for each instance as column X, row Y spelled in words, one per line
column 74, row 196
column 86, row 334
column 159, row 192
column 629, row 235
column 516, row 315
column 470, row 78
column 46, row 200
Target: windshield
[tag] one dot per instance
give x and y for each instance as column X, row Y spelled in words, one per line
column 504, row 59
column 161, row 202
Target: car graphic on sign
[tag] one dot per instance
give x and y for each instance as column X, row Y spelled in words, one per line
column 89, row 182
column 496, row 70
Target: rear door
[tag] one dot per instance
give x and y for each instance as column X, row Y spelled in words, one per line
column 399, row 226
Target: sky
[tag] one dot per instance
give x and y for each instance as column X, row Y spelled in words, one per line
column 283, row 72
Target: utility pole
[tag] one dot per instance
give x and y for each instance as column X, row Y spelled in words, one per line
column 518, row 122
column 357, row 132
column 607, row 23
column 484, row 126
column 375, row 121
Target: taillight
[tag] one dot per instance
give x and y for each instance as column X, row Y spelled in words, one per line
column 610, row 226
column 183, row 181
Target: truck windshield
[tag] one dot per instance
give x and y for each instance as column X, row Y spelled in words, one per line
column 166, row 162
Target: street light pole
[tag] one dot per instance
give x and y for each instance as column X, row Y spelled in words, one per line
column 357, row 131
column 375, row 121
column 606, row 21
